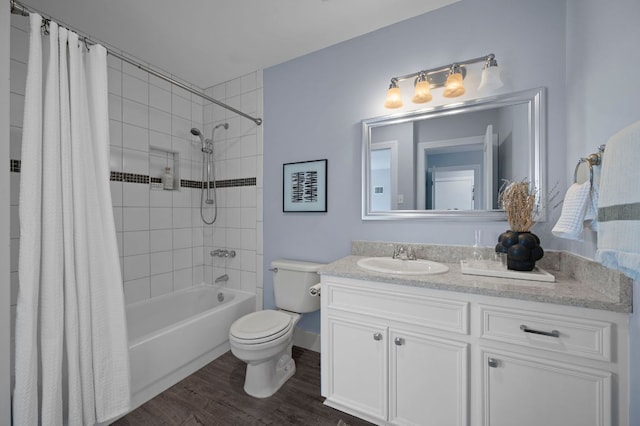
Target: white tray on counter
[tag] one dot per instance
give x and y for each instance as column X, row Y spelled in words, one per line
column 489, row 268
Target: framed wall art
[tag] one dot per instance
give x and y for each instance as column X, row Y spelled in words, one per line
column 304, row 186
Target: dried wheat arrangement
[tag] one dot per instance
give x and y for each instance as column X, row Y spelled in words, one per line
column 518, row 200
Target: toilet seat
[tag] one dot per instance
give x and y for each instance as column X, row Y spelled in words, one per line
column 260, row 327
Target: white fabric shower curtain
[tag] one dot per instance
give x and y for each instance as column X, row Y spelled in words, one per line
column 72, row 358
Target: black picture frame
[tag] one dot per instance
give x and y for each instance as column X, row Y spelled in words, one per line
column 304, row 186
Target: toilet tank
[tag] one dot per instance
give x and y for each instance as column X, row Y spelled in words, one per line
column 291, row 282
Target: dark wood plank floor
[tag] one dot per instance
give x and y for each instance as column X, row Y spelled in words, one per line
column 214, row 396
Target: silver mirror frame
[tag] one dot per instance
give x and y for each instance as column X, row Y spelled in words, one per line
column 536, row 101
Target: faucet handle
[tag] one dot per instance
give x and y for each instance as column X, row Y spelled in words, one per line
column 411, row 254
column 403, row 252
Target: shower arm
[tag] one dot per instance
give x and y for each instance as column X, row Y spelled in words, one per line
column 18, row 8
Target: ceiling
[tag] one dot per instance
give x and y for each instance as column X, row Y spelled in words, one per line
column 211, row 41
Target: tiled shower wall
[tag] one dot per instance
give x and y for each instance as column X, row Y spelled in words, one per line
column 238, row 154
column 164, row 245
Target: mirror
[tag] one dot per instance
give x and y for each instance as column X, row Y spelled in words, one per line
column 449, row 161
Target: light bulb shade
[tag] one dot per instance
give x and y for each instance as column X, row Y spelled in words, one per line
column 394, row 98
column 422, row 93
column 454, row 86
column 490, row 80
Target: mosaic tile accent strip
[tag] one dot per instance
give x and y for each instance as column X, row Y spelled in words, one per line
column 129, row 177
column 15, row 166
column 236, row 182
column 185, row 183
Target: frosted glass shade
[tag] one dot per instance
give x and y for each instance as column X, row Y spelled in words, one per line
column 422, row 93
column 394, row 98
column 454, row 86
column 490, row 80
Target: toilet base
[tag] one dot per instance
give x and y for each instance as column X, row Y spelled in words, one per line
column 265, row 378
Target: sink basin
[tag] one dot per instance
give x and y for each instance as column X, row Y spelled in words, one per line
column 388, row 265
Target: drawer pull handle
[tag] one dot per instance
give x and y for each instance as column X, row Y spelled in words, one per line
column 493, row 363
column 377, row 336
column 552, row 333
column 399, row 341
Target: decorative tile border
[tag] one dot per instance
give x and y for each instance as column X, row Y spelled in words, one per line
column 235, row 182
column 15, row 166
column 129, row 177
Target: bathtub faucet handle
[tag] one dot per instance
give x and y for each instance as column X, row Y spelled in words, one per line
column 223, row 253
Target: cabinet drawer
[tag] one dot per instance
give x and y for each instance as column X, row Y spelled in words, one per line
column 557, row 333
column 441, row 314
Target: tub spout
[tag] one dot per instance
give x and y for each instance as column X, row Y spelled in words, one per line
column 222, row 278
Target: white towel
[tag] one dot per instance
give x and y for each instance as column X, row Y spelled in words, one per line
column 619, row 203
column 591, row 215
column 574, row 208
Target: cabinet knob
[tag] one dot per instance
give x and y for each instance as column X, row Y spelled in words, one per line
column 377, row 336
column 398, row 341
column 493, row 363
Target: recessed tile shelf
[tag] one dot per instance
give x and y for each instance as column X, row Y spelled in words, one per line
column 159, row 159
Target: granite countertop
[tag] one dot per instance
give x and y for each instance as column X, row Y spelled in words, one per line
column 597, row 288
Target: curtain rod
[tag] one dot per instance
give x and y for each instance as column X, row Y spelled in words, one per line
column 23, row 10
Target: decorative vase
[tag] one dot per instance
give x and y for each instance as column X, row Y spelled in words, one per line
column 522, row 249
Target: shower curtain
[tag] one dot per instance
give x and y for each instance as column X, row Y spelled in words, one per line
column 71, row 359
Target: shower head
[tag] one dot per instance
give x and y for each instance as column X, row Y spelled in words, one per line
column 213, row 131
column 196, row 132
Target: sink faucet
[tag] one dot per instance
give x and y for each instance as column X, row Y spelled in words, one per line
column 403, row 252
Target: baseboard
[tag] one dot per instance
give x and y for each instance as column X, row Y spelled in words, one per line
column 306, row 339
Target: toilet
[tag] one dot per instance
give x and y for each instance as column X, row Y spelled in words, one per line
column 264, row 339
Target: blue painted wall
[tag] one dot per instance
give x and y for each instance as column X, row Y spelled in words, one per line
column 584, row 52
column 602, row 99
column 313, row 106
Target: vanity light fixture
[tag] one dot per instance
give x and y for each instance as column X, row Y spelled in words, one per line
column 423, row 89
column 449, row 76
column 490, row 78
column 454, row 86
column 394, row 98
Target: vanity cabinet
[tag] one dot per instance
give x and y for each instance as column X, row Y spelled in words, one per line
column 401, row 355
column 529, row 391
column 551, row 383
column 359, row 358
column 382, row 364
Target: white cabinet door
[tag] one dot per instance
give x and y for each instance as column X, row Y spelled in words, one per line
column 528, row 391
column 428, row 380
column 358, row 366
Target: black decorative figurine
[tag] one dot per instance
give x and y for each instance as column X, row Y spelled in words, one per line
column 522, row 249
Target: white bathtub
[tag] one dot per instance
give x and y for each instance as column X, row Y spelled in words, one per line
column 173, row 335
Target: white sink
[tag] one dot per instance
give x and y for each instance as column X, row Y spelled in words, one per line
column 388, row 265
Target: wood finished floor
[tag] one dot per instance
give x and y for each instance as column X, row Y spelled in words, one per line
column 214, row 396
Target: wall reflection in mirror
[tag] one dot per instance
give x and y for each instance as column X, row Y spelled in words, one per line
column 450, row 161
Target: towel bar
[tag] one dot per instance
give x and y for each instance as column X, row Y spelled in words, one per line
column 591, row 160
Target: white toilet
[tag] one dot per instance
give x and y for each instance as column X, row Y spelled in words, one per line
column 263, row 339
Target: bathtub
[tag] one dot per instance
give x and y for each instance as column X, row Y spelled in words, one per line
column 174, row 335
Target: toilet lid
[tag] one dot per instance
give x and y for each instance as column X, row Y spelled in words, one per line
column 261, row 326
